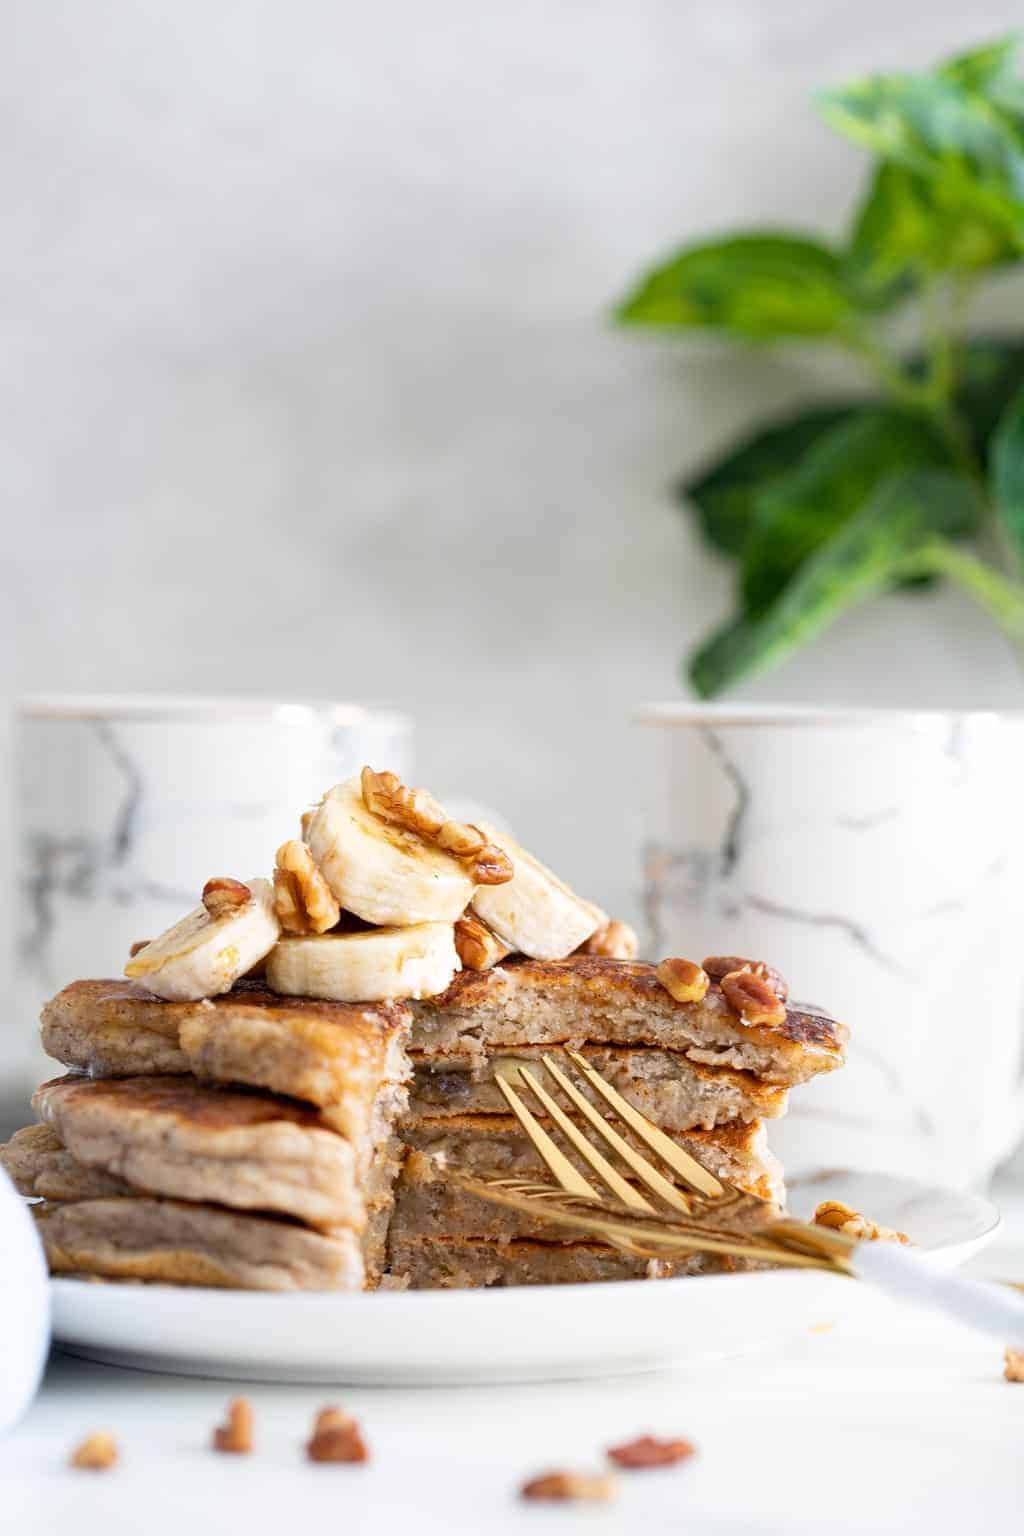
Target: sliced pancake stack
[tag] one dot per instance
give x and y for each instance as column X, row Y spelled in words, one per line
column 663, row 1056
column 277, row 1095
column 247, row 1140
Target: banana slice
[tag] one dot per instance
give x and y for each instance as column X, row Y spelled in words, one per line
column 383, row 873
column 534, row 913
column 414, row 961
column 206, row 952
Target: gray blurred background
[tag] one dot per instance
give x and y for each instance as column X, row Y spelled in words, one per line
column 309, row 387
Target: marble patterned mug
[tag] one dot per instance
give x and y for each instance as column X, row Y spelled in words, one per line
column 126, row 805
column 875, row 858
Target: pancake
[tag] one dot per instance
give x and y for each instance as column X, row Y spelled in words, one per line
column 308, row 1049
column 675, row 1093
column 41, row 1168
column 334, row 1055
column 453, row 1263
column 476, row 1144
column 173, row 1136
column 167, row 1240
column 428, row 1204
column 618, row 1002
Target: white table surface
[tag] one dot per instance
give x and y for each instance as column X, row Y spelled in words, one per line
column 893, row 1422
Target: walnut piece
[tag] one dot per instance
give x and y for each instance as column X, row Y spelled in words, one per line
column 683, row 980
column 718, row 966
column 235, row 1436
column 615, row 941
column 599, row 1487
column 417, row 811
column 222, row 896
column 336, row 1437
column 477, row 947
column 843, row 1218
column 1013, row 1369
column 753, row 999
column 97, row 1453
column 302, row 898
column 646, row 1451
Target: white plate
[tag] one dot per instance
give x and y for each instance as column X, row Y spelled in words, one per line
column 516, row 1334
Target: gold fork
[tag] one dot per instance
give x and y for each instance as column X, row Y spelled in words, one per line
column 685, row 1209
column 706, row 1215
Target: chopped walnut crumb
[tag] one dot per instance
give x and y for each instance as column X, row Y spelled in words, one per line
column 417, row 811
column 718, row 966
column 222, row 896
column 97, row 1453
column 235, row 1435
column 843, row 1218
column 559, row 1485
column 647, row 1451
column 336, row 1437
column 615, row 941
column 477, row 947
column 303, row 900
column 683, row 980
column 753, row 999
column 1013, row 1368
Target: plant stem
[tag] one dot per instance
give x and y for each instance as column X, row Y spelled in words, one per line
column 1002, row 599
column 931, row 396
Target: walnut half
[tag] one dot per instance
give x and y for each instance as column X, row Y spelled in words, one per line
column 843, row 1218
column 647, row 1451
column 417, row 811
column 336, row 1437
column 303, row 900
column 223, row 896
column 615, row 941
column 97, row 1453
column 235, row 1435
column 683, row 980
column 477, row 947
column 753, row 999
column 561, row 1485
column 718, row 966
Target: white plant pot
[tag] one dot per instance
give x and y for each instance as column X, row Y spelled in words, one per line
column 875, row 859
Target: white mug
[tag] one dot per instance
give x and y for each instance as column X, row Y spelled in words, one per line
column 127, row 805
column 874, row 857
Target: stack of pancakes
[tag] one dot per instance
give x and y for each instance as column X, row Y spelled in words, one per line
column 694, row 1069
column 248, row 1140
column 277, row 1096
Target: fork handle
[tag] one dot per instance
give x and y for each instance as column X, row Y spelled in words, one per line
column 987, row 1307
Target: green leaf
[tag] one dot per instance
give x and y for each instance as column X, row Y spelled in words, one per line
column 990, row 371
column 981, row 68
column 724, row 493
column 934, row 127
column 801, row 511
column 874, row 550
column 1007, row 475
column 910, row 227
column 759, row 286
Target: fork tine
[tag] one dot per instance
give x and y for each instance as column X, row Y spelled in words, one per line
column 641, row 1167
column 600, row 1164
column 567, row 1174
column 680, row 1162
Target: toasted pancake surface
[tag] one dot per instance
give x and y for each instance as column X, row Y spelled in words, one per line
column 186, row 1244
column 322, row 1052
column 618, row 1002
column 173, row 1136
